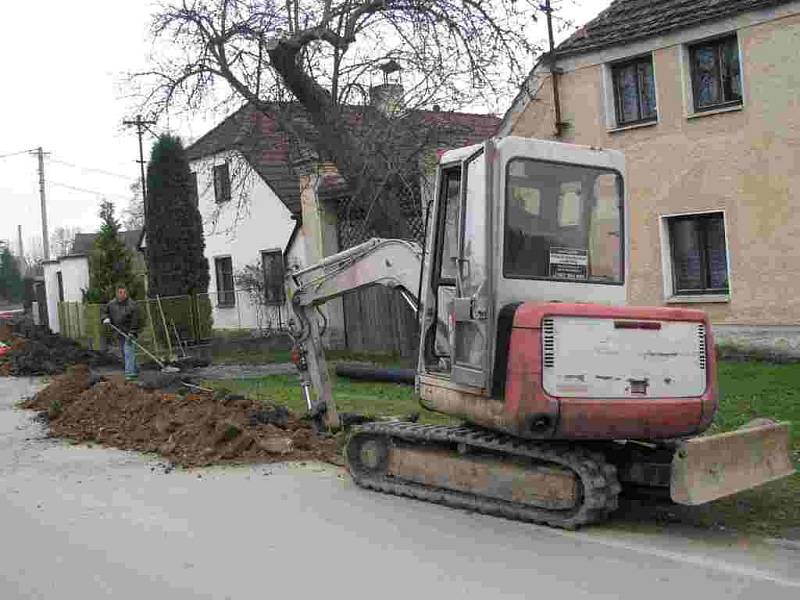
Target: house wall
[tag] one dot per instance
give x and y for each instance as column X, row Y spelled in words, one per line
column 254, row 220
column 743, row 162
column 370, row 320
column 320, row 240
column 51, row 293
column 75, row 278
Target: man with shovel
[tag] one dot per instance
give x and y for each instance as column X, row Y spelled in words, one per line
column 122, row 314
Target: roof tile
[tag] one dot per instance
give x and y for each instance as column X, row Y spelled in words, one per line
column 265, row 141
column 628, row 20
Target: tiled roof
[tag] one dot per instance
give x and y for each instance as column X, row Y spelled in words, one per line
column 267, row 144
column 628, row 20
column 84, row 242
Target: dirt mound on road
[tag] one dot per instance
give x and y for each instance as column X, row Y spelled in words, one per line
column 37, row 351
column 62, row 391
column 192, row 430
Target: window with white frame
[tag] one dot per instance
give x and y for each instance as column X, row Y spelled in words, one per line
column 698, row 255
column 222, row 183
column 634, row 91
column 715, row 73
column 223, row 268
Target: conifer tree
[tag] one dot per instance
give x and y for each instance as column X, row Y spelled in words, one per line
column 174, row 231
column 110, row 261
column 11, row 287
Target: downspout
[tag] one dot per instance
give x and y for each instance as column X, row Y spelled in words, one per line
column 558, row 125
column 298, row 224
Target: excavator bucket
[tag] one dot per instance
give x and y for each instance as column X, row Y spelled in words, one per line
column 711, row 467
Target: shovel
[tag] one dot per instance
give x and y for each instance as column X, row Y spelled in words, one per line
column 164, row 368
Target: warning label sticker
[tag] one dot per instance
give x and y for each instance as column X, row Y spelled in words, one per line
column 569, row 263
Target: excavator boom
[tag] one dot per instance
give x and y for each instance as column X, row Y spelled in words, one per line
column 396, row 264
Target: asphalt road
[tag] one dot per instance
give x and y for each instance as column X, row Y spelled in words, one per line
column 78, row 522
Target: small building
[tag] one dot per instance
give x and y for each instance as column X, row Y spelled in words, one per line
column 66, row 278
column 702, row 97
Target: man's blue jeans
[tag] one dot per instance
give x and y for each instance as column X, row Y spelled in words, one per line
column 128, row 352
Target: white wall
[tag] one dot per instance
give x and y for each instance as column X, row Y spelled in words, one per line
column 253, row 220
column 74, row 277
column 51, row 293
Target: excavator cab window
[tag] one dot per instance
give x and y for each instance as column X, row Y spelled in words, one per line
column 445, row 264
column 563, row 222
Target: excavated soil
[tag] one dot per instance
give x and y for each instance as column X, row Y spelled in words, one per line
column 195, row 429
column 36, row 351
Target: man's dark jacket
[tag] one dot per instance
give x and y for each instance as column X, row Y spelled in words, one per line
column 124, row 315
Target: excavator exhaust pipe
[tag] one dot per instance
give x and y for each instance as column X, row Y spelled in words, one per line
column 710, row 467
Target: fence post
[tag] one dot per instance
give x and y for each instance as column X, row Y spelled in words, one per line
column 194, row 316
column 152, row 326
column 81, row 323
column 238, row 307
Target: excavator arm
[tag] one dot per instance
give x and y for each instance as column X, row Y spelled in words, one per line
column 396, row 264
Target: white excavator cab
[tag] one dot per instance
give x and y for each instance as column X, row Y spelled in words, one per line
column 512, row 220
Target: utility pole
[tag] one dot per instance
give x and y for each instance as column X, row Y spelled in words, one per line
column 19, row 240
column 141, row 125
column 45, row 240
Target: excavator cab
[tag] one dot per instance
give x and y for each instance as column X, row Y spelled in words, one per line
column 516, row 220
column 524, row 322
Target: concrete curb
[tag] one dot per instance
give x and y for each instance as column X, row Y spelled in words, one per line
column 784, row 543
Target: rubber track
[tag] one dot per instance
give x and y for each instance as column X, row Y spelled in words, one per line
column 599, row 479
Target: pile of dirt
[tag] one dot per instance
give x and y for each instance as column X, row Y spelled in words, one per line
column 35, row 350
column 190, row 430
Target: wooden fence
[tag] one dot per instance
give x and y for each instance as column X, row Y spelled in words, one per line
column 378, row 320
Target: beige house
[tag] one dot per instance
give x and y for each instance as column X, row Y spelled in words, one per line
column 704, row 99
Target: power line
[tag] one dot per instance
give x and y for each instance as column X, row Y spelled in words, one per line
column 16, row 153
column 88, row 191
column 91, row 169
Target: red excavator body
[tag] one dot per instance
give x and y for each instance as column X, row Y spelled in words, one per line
column 635, row 414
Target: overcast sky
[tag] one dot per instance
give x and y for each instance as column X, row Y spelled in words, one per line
column 62, row 72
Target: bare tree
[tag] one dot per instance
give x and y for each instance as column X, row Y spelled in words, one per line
column 324, row 54
column 61, row 240
column 133, row 214
column 34, row 250
column 251, row 280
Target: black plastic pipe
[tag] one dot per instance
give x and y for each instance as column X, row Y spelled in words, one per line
column 372, row 373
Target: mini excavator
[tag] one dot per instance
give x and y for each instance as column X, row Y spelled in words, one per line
column 565, row 395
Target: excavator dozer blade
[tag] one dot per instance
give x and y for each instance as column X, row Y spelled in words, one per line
column 710, row 467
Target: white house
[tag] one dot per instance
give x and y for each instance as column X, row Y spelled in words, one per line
column 265, row 196
column 64, row 281
column 249, row 201
column 245, row 227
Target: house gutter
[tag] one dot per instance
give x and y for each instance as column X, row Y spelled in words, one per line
column 554, row 71
column 298, row 224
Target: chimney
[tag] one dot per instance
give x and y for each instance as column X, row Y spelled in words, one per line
column 388, row 96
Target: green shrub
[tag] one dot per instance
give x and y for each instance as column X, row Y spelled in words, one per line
column 55, row 409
